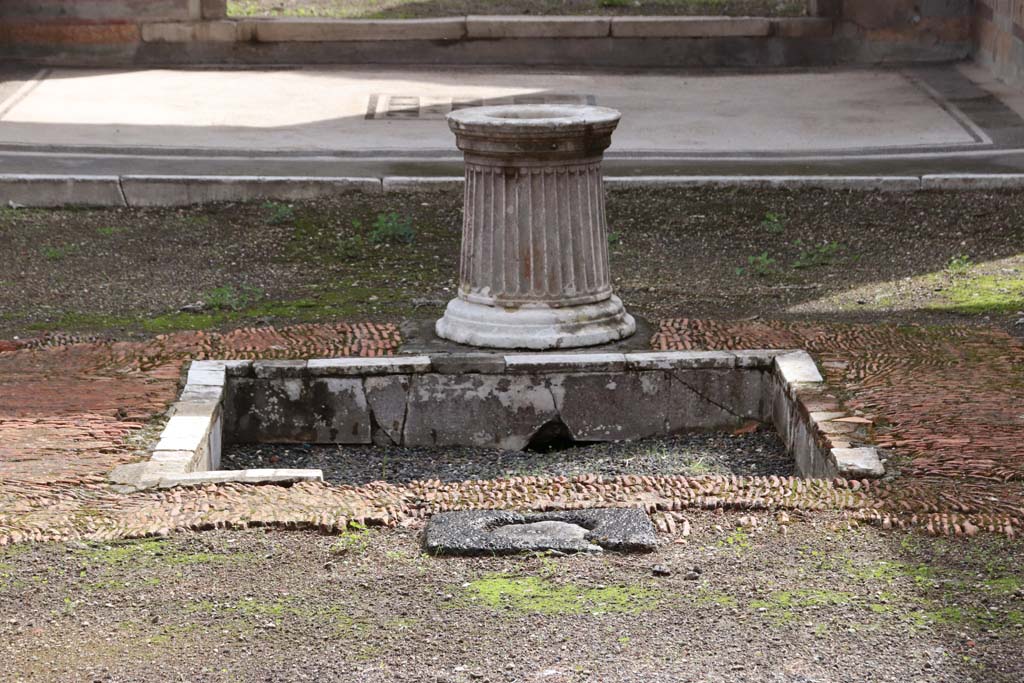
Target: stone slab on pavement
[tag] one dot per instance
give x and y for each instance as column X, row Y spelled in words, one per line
column 494, row 532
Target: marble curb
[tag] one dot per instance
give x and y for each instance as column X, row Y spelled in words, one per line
column 416, row 398
column 827, row 441
column 52, row 190
column 480, row 27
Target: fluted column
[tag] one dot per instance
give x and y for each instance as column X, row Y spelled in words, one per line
column 534, row 266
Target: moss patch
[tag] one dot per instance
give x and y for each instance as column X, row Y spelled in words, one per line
column 531, row 594
column 785, row 606
column 983, row 293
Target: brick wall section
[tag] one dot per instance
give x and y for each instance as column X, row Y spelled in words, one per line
column 887, row 30
column 121, row 32
column 105, row 30
column 999, row 37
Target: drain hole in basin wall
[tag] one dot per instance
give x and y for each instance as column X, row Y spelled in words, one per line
column 552, row 436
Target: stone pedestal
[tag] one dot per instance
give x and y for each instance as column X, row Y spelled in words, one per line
column 534, row 268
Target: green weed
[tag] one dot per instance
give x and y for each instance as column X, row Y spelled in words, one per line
column 773, row 223
column 814, row 256
column 738, row 539
column 278, row 213
column 355, row 540
column 959, row 264
column 60, row 252
column 391, row 228
column 761, row 265
column 230, row 298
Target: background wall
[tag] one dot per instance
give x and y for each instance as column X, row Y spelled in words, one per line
column 999, row 37
column 104, row 30
column 195, row 31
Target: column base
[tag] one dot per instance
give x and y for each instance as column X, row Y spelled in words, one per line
column 535, row 327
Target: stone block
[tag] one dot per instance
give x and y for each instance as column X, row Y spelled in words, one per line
column 757, row 358
column 711, row 399
column 99, row 11
column 497, row 411
column 279, row 30
column 279, row 369
column 674, row 360
column 387, row 397
column 201, row 393
column 793, row 182
column 340, row 412
column 503, row 532
column 237, row 368
column 197, row 408
column 213, row 9
column 389, row 365
column 178, row 190
column 689, row 27
column 256, row 476
column 467, row 363
column 294, row 410
column 185, row 433
column 60, row 190
column 973, row 181
column 281, row 476
column 210, row 458
column 565, row 362
column 612, row 407
column 486, row 26
column 858, row 463
column 206, row 373
column 186, row 32
column 797, row 366
column 422, row 184
column 172, row 462
column 803, row 27
column 135, row 476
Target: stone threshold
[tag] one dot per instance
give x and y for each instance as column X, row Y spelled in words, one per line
column 482, row 27
column 496, row 399
column 50, row 190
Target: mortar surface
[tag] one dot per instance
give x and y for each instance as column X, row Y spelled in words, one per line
column 384, row 112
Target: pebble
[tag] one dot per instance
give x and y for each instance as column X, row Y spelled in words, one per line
column 661, row 570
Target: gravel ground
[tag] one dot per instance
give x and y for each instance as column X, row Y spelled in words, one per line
column 815, row 604
column 675, row 253
column 762, row 453
column 410, row 9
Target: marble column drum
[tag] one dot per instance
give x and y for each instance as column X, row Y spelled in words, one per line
column 534, row 265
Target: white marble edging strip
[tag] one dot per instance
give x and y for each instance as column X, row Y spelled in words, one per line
column 35, row 190
column 490, row 27
column 801, row 429
column 42, row 190
column 189, row 447
column 184, row 190
column 788, row 182
column 973, row 181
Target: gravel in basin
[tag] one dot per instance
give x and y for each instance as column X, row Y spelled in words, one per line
column 759, row 453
